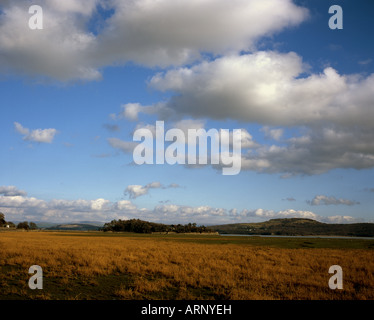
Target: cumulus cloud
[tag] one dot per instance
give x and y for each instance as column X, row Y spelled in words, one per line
column 172, row 33
column 20, row 129
column 160, row 33
column 21, row 202
column 341, row 219
column 124, row 205
column 270, row 214
column 30, row 208
column 275, row 133
column 124, row 146
column 314, row 152
column 11, row 191
column 325, row 200
column 267, row 87
column 59, row 51
column 131, row 110
column 37, row 135
column 189, row 124
column 331, row 111
column 207, row 214
column 80, row 205
column 134, row 191
column 291, row 213
column 183, row 127
column 21, row 207
column 180, row 148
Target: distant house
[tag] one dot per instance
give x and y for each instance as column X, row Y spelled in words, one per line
column 7, row 226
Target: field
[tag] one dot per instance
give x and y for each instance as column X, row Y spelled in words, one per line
column 110, row 266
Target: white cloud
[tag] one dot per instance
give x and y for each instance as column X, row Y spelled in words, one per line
column 341, row 219
column 41, row 135
column 316, row 152
column 291, row 213
column 332, row 111
column 60, row 210
column 274, row 134
column 152, row 33
column 131, row 110
column 185, row 125
column 172, row 33
column 21, row 202
column 20, row 129
column 19, row 207
column 124, row 146
column 99, row 204
column 146, row 127
column 10, row 191
column 245, row 138
column 59, row 51
column 85, row 8
column 124, row 205
column 189, row 124
column 267, row 88
column 325, row 200
column 37, row 135
column 134, row 191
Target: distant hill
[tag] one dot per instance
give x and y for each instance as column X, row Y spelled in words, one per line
column 297, row 227
column 93, row 223
column 75, row 227
column 40, row 224
column 44, row 225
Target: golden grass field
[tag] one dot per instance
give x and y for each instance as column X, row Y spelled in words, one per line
column 78, row 265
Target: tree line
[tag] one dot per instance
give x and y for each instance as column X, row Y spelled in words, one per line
column 21, row 225
column 141, row 226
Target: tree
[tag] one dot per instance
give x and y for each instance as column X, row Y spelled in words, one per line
column 140, row 226
column 23, row 225
column 33, row 226
column 2, row 219
column 11, row 224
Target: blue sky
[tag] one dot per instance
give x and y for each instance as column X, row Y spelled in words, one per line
column 73, row 93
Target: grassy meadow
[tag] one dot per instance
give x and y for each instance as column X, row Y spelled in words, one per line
column 111, row 266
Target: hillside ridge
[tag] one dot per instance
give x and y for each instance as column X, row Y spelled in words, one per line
column 297, row 227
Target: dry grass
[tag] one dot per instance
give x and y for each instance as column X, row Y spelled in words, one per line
column 103, row 267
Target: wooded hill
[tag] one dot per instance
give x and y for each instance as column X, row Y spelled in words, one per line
column 140, row 226
column 297, row 227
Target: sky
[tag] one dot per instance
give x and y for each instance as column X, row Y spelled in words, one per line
column 78, row 78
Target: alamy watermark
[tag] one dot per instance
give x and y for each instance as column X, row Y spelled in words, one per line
column 36, row 20
column 336, row 20
column 36, row 281
column 174, row 147
column 336, row 281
